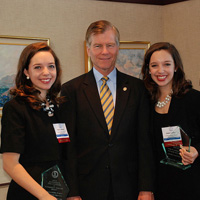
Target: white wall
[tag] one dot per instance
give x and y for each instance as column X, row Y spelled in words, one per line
column 65, row 23
column 182, row 28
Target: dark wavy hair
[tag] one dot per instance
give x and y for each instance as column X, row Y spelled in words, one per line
column 24, row 87
column 180, row 85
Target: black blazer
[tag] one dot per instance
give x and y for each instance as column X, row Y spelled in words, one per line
column 93, row 155
column 185, row 112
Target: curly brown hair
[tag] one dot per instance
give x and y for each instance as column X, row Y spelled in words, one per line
column 180, row 85
column 24, row 87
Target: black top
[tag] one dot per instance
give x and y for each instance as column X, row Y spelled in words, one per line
column 31, row 134
column 174, row 183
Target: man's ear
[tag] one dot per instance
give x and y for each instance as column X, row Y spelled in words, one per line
column 88, row 51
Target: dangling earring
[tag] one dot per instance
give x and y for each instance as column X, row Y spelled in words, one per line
column 149, row 72
column 27, row 77
column 175, row 70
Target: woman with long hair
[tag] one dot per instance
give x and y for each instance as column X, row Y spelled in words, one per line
column 29, row 142
column 174, row 104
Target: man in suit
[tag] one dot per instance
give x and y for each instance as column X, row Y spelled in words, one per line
column 107, row 160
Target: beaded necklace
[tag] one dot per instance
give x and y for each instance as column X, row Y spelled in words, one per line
column 161, row 104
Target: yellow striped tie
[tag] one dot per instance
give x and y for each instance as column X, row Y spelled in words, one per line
column 107, row 103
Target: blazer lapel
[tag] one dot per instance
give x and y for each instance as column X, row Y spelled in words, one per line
column 92, row 95
column 122, row 94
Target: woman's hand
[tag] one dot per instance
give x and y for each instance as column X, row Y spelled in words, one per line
column 74, row 198
column 188, row 157
column 145, row 195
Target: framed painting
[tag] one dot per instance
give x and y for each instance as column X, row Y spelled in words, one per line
column 130, row 57
column 10, row 50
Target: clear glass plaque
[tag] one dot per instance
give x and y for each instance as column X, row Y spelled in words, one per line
column 171, row 147
column 54, row 183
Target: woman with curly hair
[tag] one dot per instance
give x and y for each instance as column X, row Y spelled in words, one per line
column 29, row 137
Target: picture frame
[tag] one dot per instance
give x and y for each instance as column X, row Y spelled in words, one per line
column 130, row 57
column 10, row 50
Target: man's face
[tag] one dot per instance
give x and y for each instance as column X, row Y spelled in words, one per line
column 103, row 51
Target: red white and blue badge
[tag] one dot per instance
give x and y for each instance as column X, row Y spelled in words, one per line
column 61, row 132
column 172, row 136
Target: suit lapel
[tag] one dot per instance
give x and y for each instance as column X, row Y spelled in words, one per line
column 92, row 95
column 122, row 94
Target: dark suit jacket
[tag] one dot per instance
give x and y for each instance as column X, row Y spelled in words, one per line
column 185, row 112
column 93, row 155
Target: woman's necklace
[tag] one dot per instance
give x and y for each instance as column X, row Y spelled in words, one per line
column 48, row 108
column 161, row 104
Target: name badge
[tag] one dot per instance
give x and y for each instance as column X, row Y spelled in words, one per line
column 172, row 136
column 61, row 132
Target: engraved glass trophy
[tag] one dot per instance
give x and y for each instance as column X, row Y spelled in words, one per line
column 174, row 137
column 54, row 183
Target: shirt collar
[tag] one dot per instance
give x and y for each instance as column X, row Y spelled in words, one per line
column 112, row 76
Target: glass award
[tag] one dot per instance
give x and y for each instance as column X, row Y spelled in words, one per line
column 54, row 183
column 174, row 137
